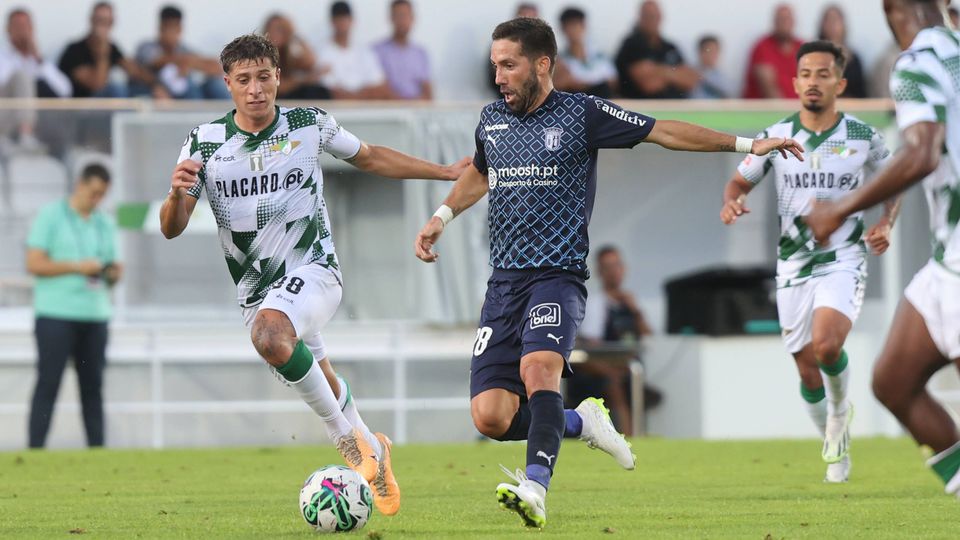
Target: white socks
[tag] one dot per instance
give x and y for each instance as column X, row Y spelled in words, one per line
column 818, row 413
column 835, row 381
column 315, row 391
column 349, row 408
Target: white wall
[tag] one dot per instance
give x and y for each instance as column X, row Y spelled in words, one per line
column 456, row 33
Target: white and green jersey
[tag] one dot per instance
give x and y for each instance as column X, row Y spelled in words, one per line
column 925, row 85
column 836, row 161
column 266, row 193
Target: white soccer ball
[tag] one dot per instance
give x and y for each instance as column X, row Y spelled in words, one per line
column 336, row 499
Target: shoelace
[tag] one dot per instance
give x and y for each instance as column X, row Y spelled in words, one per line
column 380, row 481
column 518, row 476
column 347, row 446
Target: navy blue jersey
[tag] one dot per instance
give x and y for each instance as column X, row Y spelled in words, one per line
column 542, row 173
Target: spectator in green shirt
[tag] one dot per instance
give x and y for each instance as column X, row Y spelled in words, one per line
column 72, row 252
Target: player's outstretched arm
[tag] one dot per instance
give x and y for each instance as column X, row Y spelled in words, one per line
column 676, row 135
column 178, row 206
column 917, row 158
column 387, row 162
column 734, row 199
column 468, row 189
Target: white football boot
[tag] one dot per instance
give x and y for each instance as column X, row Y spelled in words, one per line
column 836, row 442
column 527, row 498
column 839, row 472
column 599, row 432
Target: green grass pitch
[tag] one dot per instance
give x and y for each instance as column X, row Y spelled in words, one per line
column 681, row 489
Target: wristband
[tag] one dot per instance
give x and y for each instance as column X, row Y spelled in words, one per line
column 744, row 145
column 445, row 213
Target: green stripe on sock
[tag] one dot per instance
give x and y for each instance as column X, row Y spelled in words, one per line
column 836, row 368
column 299, row 363
column 815, row 395
column 947, row 464
column 346, row 389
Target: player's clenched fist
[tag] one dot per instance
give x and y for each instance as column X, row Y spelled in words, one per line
column 733, row 209
column 184, row 176
column 428, row 236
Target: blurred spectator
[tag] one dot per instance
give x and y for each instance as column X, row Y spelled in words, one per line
column 527, row 9
column 880, row 76
column 71, row 250
column 174, row 65
column 524, row 9
column 649, row 66
column 299, row 74
column 351, row 71
column 88, row 62
column 833, row 28
column 405, row 64
column 773, row 62
column 580, row 68
column 26, row 74
column 611, row 317
column 713, row 83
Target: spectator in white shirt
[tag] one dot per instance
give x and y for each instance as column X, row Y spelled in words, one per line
column 582, row 69
column 350, row 71
column 24, row 73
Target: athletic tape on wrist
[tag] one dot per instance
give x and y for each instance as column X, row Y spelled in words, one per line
column 744, row 145
column 445, row 213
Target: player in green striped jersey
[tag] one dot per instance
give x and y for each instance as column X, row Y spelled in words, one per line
column 259, row 167
column 925, row 335
column 819, row 287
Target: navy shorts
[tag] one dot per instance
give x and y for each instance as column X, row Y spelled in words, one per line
column 525, row 311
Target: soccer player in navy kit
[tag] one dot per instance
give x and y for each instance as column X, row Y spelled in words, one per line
column 536, row 157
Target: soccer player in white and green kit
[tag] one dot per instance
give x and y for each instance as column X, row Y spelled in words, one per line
column 259, row 167
column 925, row 334
column 819, row 287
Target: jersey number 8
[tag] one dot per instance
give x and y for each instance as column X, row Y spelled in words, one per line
column 294, row 287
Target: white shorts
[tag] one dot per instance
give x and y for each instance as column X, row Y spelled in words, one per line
column 935, row 293
column 841, row 290
column 308, row 296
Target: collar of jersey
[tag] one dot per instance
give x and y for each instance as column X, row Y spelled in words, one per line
column 253, row 141
column 815, row 140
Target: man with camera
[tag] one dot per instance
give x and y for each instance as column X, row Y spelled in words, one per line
column 71, row 250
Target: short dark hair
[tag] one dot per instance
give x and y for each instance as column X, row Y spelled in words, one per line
column 606, row 250
column 708, row 39
column 171, row 13
column 572, row 14
column 535, row 37
column 823, row 45
column 94, row 170
column 340, row 9
column 248, row 47
column 99, row 5
column 396, row 3
column 17, row 11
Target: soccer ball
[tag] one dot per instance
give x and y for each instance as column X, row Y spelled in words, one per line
column 336, row 499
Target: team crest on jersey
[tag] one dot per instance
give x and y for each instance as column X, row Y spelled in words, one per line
column 491, row 178
column 551, row 138
column 844, row 152
column 285, row 146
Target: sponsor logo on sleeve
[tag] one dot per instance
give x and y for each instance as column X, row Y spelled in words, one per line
column 620, row 114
